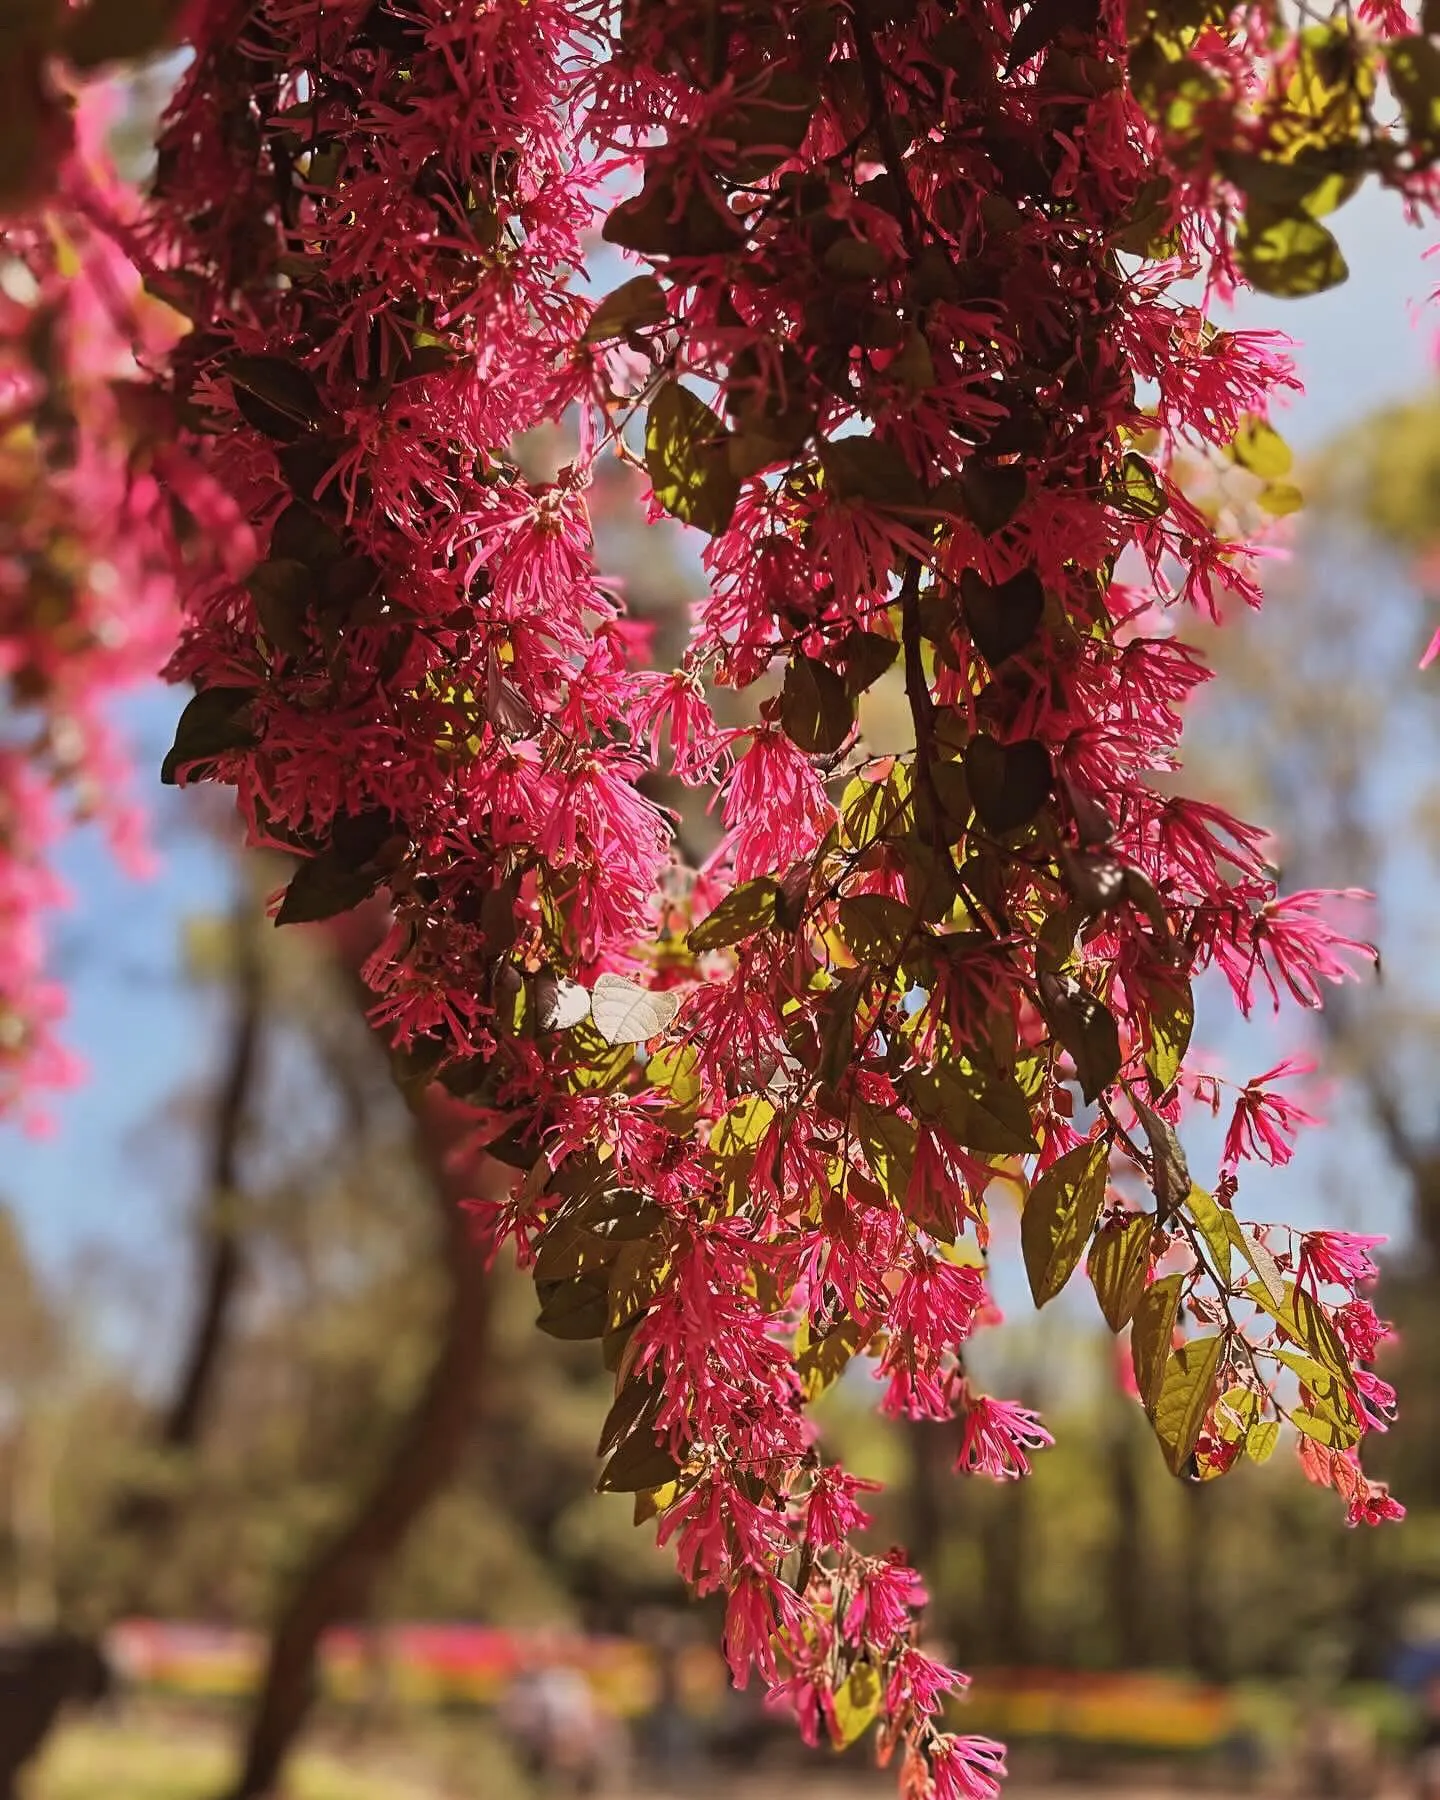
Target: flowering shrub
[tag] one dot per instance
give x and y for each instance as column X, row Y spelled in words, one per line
column 87, row 566
column 907, row 336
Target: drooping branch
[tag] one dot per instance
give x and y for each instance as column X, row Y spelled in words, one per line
column 142, row 1513
column 195, row 1383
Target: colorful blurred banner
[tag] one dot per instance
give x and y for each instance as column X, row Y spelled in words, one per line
column 1153, row 1712
column 472, row 1665
column 417, row 1665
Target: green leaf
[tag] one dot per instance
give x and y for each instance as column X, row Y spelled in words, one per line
column 1261, row 1439
column 674, row 1071
column 1169, row 1171
column 324, row 887
column 872, row 810
column 992, row 494
column 742, row 1128
column 282, row 590
column 1151, row 1335
column 654, row 223
column 771, row 124
column 118, row 31
column 836, row 1024
column 862, row 468
column 1009, row 783
column 1086, row 1029
column 857, row 1702
column 1002, row 621
column 1280, row 498
column 636, row 1276
column 1259, row 1259
column 575, row 1309
column 1289, row 255
column 1328, row 1400
column 1185, row 1397
column 1044, row 22
column 1145, row 223
column 641, row 1462
column 986, row 1112
column 651, row 1502
column 275, row 395
column 854, row 259
column 1059, row 1216
column 639, row 301
column 1237, row 1410
column 1169, row 1010
column 568, row 1250
column 686, row 455
column 876, row 927
column 1413, row 64
column 1257, row 446
column 212, row 723
column 301, row 535
column 888, row 1144
column 816, row 710
column 734, row 1141
column 866, row 656
column 1138, row 490
column 637, row 1400
column 1320, row 1337
column 1309, row 183
column 1209, row 1219
column 744, row 911
column 1118, row 1264
column 1305, row 1321
column 821, row 1361
column 1336, row 1434
column 914, row 367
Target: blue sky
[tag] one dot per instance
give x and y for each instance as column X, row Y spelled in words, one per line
column 109, row 1174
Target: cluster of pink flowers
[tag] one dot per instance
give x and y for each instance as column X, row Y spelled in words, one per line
column 907, row 330
column 87, row 590
column 425, row 685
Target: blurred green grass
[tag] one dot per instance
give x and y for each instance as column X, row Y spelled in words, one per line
column 161, row 1758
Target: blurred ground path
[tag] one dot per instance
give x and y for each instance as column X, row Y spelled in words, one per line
column 151, row 1754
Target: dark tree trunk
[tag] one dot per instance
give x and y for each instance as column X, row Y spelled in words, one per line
column 1199, row 1613
column 340, row 1580
column 936, row 1506
column 180, row 1428
column 1005, row 1589
column 1129, row 1575
column 142, row 1517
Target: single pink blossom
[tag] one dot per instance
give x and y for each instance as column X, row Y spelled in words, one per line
column 997, row 1435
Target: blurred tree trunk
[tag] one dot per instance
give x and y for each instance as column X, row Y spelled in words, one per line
column 341, row 1578
column 1004, row 1541
column 33, row 1519
column 142, row 1514
column 184, row 1418
column 936, row 1503
column 1129, row 1575
column 930, row 1489
column 1200, row 1645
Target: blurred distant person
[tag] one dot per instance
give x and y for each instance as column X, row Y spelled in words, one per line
column 1338, row 1758
column 1426, row 1767
column 39, row 1675
column 563, row 1738
column 668, row 1737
